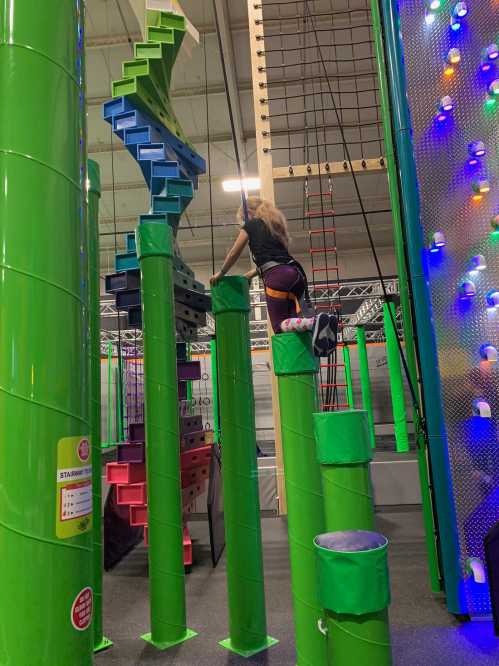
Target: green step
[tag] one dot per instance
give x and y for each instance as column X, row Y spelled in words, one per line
column 155, row 51
column 131, row 68
column 176, row 22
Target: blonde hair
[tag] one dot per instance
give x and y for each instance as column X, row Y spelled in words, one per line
column 274, row 219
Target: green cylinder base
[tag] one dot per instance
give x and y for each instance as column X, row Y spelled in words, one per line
column 229, row 645
column 361, row 640
column 104, row 644
column 165, row 645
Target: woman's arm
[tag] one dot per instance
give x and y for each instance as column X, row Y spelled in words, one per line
column 232, row 256
column 251, row 274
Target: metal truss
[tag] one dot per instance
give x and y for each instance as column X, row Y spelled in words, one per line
column 369, row 312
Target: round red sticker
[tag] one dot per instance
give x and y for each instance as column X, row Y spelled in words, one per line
column 84, row 450
column 81, row 611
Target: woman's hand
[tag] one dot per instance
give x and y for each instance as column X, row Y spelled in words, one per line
column 215, row 279
column 251, row 274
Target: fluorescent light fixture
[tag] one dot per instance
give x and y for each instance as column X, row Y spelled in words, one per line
column 236, row 185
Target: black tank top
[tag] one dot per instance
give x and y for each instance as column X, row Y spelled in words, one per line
column 263, row 245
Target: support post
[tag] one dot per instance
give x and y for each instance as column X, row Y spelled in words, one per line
column 405, row 299
column 365, row 382
column 245, row 580
column 166, row 559
column 396, row 380
column 110, row 438
column 296, row 368
column 46, row 555
column 100, row 641
column 344, row 454
column 417, row 264
column 348, row 375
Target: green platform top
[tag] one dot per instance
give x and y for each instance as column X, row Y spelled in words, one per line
column 94, row 177
column 154, row 239
column 342, row 438
column 231, row 294
column 293, row 355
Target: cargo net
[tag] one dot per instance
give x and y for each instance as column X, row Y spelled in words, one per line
column 319, row 59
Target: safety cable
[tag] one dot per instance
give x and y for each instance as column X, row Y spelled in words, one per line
column 386, row 296
column 231, row 112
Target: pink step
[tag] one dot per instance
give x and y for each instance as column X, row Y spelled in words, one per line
column 131, row 493
column 189, row 494
column 194, row 475
column 196, row 457
column 138, row 515
column 125, row 472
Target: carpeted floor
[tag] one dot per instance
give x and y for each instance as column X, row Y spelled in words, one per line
column 424, row 634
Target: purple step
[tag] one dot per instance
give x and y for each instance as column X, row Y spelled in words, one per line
column 188, row 371
column 182, row 390
column 132, row 452
column 136, row 432
column 190, row 424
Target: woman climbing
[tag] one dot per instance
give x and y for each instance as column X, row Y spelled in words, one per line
column 285, row 282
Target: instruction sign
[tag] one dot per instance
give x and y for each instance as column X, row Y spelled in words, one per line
column 81, row 610
column 74, row 487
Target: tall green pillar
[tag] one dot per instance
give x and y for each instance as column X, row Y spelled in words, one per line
column 396, row 379
column 94, row 192
column 166, row 557
column 296, row 368
column 45, row 456
column 348, row 375
column 214, row 391
column 245, row 579
column 365, row 382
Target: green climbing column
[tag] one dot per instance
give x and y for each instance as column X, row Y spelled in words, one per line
column 365, row 382
column 296, row 369
column 45, row 456
column 166, row 559
column 396, row 380
column 214, row 391
column 348, row 375
column 245, row 579
column 100, row 642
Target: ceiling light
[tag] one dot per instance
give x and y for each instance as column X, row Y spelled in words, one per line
column 236, row 185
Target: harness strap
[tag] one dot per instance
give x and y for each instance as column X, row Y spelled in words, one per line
column 284, row 295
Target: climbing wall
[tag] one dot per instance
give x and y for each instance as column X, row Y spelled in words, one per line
column 451, row 60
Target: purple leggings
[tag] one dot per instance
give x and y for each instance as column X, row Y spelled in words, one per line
column 284, row 288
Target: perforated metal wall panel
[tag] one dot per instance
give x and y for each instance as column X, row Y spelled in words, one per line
column 445, row 182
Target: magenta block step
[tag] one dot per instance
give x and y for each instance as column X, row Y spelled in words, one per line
column 196, row 457
column 117, row 472
column 131, row 493
column 186, row 542
column 190, row 493
column 188, row 371
column 132, row 452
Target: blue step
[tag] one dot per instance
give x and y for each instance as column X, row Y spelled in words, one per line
column 130, row 243
column 141, row 134
column 165, row 204
column 151, row 152
column 115, row 106
column 126, row 262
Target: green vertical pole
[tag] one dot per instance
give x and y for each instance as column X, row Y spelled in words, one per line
column 166, row 558
column 245, row 580
column 94, row 191
column 365, row 383
column 214, row 390
column 109, row 394
column 396, row 380
column 418, row 270
column 348, row 375
column 296, row 368
column 405, row 302
column 344, row 453
column 46, row 560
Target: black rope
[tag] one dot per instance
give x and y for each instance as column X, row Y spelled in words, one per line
column 210, row 184
column 231, row 112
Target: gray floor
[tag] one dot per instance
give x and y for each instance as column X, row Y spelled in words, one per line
column 424, row 634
